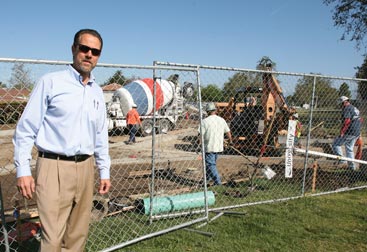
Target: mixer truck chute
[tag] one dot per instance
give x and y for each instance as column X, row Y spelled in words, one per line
column 169, row 100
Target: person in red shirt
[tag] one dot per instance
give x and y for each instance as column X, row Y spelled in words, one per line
column 133, row 121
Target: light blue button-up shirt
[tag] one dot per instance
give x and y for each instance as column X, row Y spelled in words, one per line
column 63, row 116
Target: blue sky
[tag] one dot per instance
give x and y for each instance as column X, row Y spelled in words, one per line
column 298, row 35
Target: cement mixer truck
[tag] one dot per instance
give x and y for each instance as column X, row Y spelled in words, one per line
column 170, row 99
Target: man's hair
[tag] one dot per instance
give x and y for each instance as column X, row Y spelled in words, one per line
column 87, row 31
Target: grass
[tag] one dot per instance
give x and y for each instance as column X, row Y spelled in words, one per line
column 336, row 222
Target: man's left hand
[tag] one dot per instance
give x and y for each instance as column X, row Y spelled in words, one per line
column 104, row 186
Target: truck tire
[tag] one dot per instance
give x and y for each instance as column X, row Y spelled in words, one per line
column 147, row 127
column 164, row 126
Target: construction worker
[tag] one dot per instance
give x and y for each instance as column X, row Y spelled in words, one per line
column 250, row 101
column 213, row 129
column 133, row 121
column 297, row 133
column 349, row 132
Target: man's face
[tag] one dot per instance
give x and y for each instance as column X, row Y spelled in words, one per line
column 86, row 53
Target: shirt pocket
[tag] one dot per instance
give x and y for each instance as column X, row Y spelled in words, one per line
column 95, row 113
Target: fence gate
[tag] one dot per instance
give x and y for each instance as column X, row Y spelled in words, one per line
column 164, row 169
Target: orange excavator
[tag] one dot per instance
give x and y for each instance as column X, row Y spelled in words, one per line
column 258, row 116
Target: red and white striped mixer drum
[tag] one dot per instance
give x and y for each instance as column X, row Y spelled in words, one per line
column 140, row 92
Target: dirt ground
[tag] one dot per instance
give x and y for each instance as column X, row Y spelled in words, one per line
column 176, row 164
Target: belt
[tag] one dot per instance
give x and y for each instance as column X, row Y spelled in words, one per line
column 76, row 158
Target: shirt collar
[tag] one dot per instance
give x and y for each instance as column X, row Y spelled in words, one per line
column 78, row 77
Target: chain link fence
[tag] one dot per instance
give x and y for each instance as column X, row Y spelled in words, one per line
column 158, row 182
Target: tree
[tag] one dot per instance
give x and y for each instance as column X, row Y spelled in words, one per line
column 265, row 63
column 325, row 94
column 344, row 90
column 362, row 74
column 2, row 85
column 211, row 93
column 238, row 80
column 20, row 77
column 352, row 16
column 118, row 78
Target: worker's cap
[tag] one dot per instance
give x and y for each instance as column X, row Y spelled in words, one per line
column 134, row 105
column 342, row 99
column 210, row 107
column 295, row 115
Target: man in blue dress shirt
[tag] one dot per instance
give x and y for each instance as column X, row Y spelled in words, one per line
column 65, row 119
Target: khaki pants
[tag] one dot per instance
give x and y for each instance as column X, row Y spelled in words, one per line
column 64, row 191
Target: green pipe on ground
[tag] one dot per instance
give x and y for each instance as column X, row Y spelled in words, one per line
column 176, row 202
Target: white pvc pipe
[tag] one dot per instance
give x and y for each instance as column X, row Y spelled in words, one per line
column 321, row 154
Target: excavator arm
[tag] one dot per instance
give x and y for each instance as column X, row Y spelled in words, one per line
column 272, row 97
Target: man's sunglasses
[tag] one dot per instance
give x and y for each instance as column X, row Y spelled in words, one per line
column 86, row 49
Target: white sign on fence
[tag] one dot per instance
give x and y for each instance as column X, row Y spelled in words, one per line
column 289, row 151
